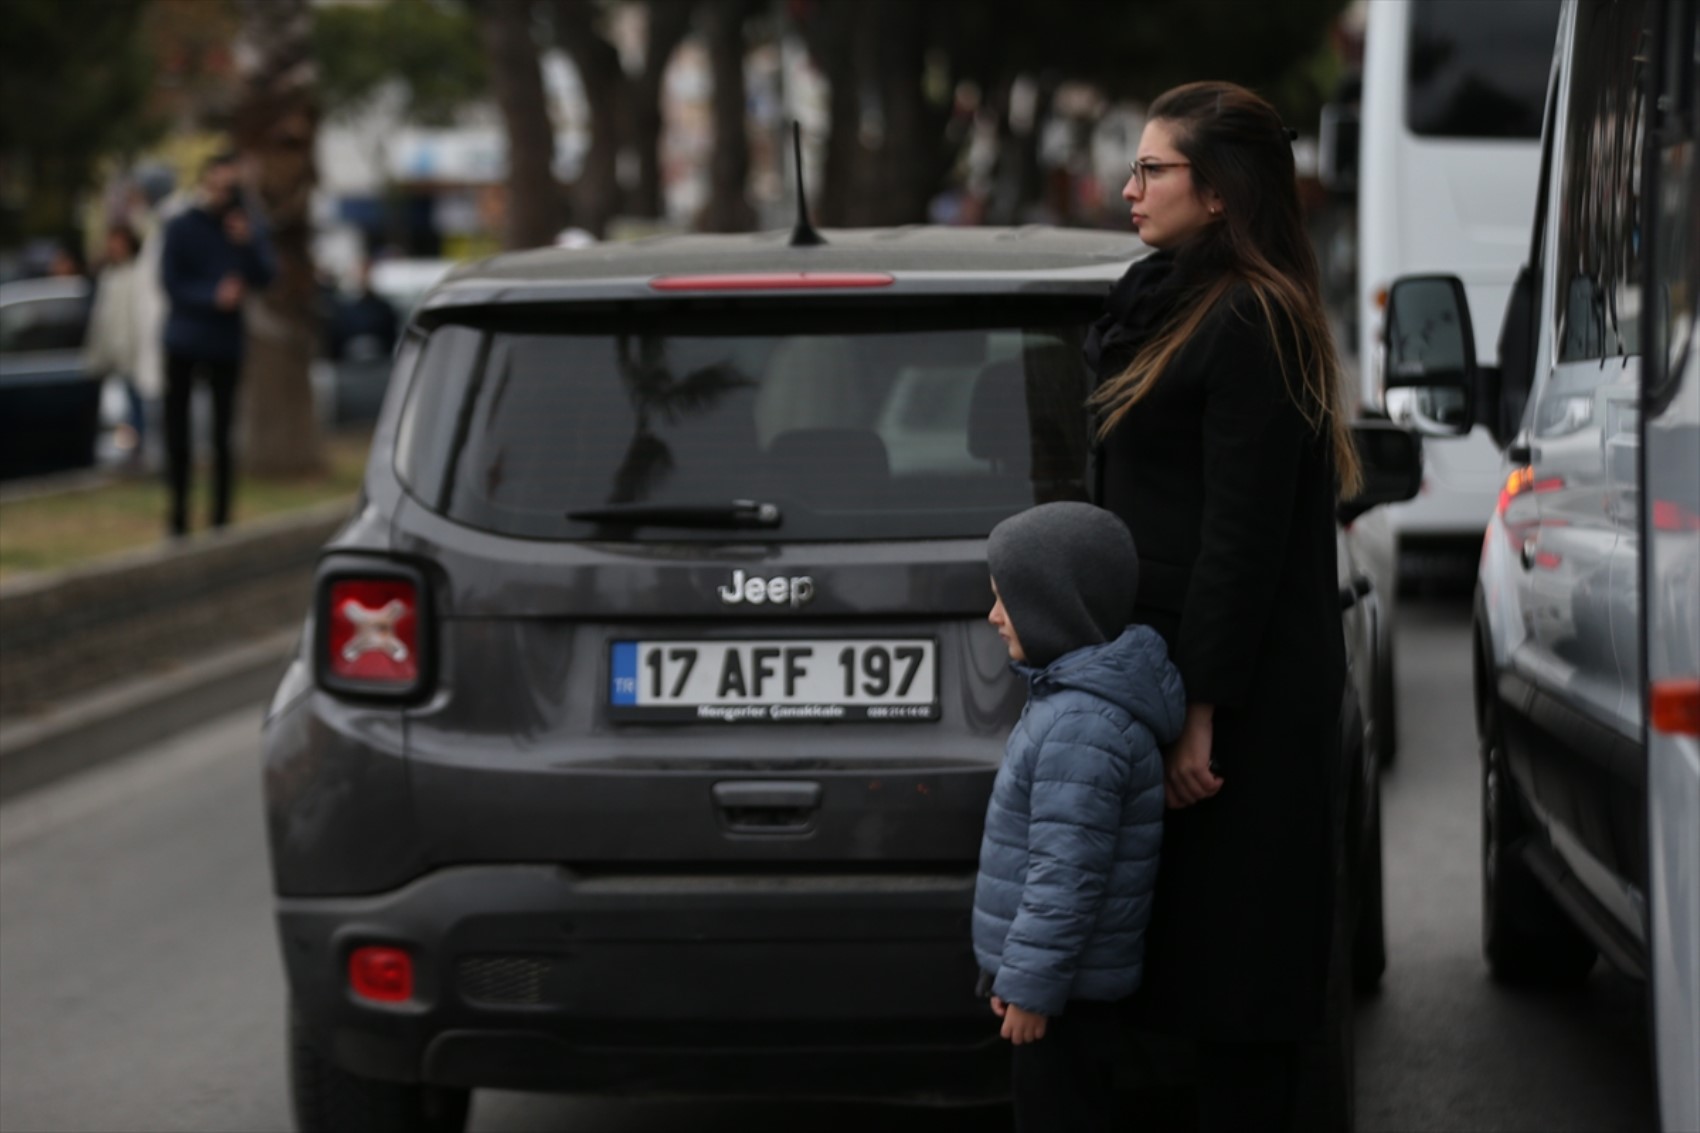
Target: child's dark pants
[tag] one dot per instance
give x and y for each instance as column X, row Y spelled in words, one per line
column 1064, row 1082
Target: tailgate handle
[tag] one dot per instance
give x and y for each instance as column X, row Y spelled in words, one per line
column 767, row 806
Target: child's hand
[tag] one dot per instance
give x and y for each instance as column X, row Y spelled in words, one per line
column 998, row 1007
column 1021, row 1026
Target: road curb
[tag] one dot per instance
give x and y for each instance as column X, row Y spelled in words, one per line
column 72, row 634
column 122, row 717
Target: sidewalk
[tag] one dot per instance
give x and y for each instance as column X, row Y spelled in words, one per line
column 57, row 522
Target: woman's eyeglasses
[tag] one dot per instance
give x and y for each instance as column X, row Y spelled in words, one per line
column 1144, row 167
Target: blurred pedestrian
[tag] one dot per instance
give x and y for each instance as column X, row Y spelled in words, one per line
column 1225, row 446
column 214, row 254
column 65, row 262
column 115, row 327
column 364, row 327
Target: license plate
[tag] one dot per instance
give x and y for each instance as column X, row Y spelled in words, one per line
column 786, row 681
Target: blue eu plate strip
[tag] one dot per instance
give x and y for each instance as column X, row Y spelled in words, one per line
column 624, row 689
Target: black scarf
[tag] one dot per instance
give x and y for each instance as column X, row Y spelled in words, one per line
column 1137, row 305
column 1147, row 296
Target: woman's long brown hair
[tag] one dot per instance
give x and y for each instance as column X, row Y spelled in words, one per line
column 1239, row 148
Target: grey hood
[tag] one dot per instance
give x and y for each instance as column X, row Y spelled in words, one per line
column 1067, row 573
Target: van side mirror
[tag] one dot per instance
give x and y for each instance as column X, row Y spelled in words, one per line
column 1392, row 460
column 1337, row 148
column 1430, row 350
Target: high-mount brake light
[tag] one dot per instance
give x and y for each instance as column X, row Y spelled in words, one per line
column 772, row 281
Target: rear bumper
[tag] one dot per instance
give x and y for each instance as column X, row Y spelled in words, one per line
column 538, row 977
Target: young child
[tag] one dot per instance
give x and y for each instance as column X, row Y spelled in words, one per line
column 1069, row 858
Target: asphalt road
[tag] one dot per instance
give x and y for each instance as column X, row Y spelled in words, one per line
column 140, row 988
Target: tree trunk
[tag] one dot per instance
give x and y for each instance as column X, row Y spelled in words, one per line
column 828, row 31
column 729, row 168
column 867, row 185
column 669, row 23
column 912, row 137
column 596, row 193
column 275, row 121
column 534, row 197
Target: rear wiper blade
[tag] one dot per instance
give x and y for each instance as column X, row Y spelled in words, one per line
column 735, row 513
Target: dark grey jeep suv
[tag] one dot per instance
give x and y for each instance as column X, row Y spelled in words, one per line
column 642, row 731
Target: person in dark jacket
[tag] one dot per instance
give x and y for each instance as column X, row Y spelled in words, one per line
column 213, row 256
column 1223, row 441
column 364, row 328
column 1069, row 856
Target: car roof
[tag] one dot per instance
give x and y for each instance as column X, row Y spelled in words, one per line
column 45, row 287
column 919, row 259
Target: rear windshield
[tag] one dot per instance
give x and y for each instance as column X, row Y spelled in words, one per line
column 853, row 427
column 1479, row 70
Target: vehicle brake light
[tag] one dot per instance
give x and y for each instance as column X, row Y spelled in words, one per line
column 372, row 635
column 1673, row 706
column 1523, row 480
column 1668, row 515
column 771, row 281
column 1515, row 485
column 381, row 973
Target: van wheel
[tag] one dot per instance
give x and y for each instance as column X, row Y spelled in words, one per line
column 1369, row 933
column 328, row 1099
column 1527, row 939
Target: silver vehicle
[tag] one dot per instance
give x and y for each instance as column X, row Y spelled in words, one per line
column 1587, row 642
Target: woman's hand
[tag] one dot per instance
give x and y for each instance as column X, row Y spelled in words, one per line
column 1187, row 777
column 1019, row 1026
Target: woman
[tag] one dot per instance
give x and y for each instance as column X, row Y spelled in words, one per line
column 115, row 329
column 1224, row 446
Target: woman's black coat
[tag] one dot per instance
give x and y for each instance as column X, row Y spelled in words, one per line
column 1230, row 495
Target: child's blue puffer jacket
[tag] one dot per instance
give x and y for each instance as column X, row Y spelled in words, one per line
column 1068, row 863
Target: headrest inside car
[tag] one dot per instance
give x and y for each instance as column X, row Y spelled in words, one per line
column 997, row 417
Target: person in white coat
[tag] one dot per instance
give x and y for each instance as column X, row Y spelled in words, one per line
column 115, row 337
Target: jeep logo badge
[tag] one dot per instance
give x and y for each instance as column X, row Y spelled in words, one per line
column 765, row 591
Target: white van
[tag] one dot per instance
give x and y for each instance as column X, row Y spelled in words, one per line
column 1587, row 616
column 1451, row 124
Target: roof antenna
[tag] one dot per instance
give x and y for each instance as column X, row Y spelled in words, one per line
column 804, row 235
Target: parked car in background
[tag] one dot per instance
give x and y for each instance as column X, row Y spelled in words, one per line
column 642, row 731
column 49, row 403
column 1587, row 615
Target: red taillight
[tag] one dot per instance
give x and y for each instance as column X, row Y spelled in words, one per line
column 1673, row 706
column 1668, row 515
column 381, row 974
column 1523, row 480
column 372, row 632
column 771, row 281
column 1515, row 485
